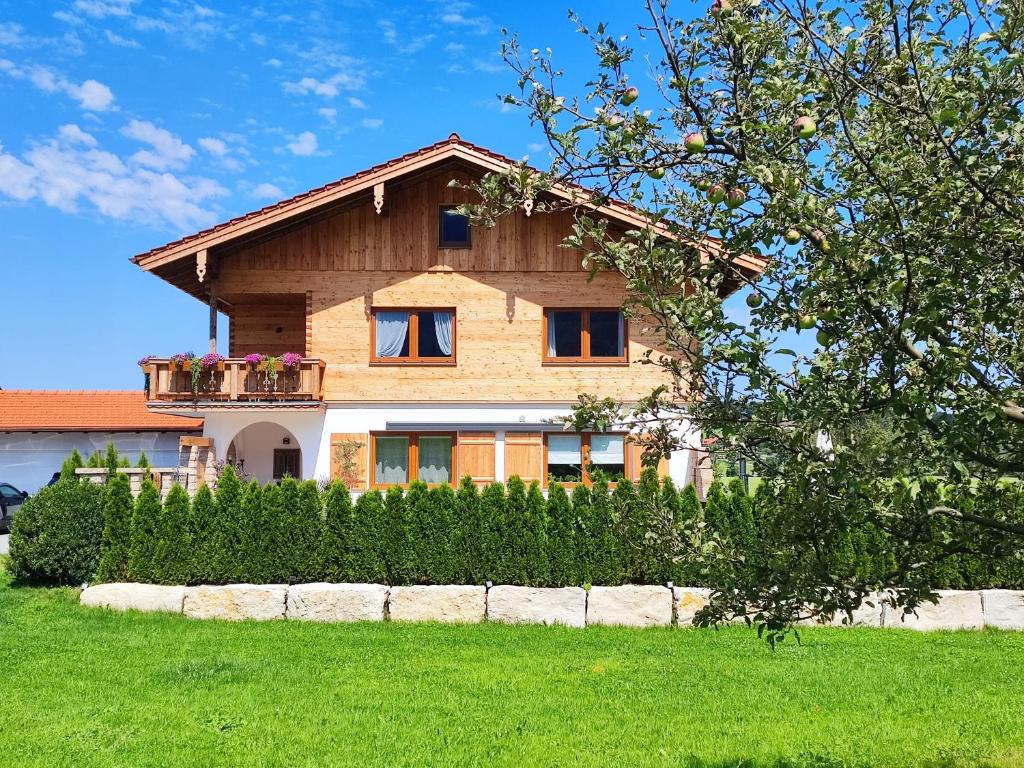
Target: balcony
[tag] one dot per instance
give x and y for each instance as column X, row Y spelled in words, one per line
column 234, row 381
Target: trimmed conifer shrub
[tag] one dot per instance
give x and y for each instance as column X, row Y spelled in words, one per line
column 225, row 530
column 441, row 564
column 716, row 513
column 395, row 544
column 71, row 463
column 203, row 544
column 684, row 572
column 279, row 504
column 368, row 546
column 145, row 534
column 492, row 513
column 250, row 565
column 741, row 519
column 117, row 530
column 654, row 529
column 600, row 563
column 535, row 537
column 143, row 462
column 563, row 563
column 339, row 543
column 627, row 531
column 56, row 535
column 469, row 534
column 172, row 561
column 304, row 524
column 512, row 565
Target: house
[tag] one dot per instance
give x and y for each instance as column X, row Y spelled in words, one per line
column 377, row 337
column 39, row 428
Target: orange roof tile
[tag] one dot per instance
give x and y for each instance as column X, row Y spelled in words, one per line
column 43, row 410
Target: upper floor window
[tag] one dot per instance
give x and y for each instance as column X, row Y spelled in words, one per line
column 424, row 336
column 452, row 228
column 582, row 458
column 584, row 335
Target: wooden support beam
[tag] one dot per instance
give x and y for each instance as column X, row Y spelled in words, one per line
column 213, row 316
column 201, row 265
column 378, row 197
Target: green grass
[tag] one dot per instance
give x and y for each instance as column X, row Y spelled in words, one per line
column 85, row 687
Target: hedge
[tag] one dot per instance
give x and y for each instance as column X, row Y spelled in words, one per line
column 504, row 534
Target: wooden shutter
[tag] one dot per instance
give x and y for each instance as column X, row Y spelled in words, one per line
column 476, row 456
column 524, row 455
column 635, row 464
column 349, row 456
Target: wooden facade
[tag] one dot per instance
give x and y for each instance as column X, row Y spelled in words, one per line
column 357, row 260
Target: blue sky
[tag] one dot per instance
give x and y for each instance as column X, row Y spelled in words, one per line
column 127, row 123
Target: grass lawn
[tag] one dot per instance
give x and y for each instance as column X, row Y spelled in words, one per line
column 86, row 687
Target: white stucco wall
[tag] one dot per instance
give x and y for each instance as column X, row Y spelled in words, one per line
column 312, row 429
column 29, row 459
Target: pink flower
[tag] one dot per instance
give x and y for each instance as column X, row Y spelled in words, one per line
column 210, row 359
column 254, row 358
column 291, row 359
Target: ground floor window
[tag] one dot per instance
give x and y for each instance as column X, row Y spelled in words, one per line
column 400, row 458
column 583, row 457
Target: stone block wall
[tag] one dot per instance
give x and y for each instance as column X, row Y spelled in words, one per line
column 629, row 606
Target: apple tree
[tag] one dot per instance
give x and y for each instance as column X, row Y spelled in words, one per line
column 869, row 153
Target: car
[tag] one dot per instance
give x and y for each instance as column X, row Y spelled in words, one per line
column 10, row 499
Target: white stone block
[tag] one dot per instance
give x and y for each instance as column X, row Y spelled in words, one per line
column 1003, row 608
column 337, row 602
column 235, row 602
column 447, row 603
column 956, row 609
column 630, row 606
column 689, row 600
column 868, row 614
column 538, row 605
column 134, row 597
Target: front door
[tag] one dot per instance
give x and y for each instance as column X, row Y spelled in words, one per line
column 286, row 462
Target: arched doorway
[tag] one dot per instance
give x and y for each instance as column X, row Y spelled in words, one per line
column 266, row 451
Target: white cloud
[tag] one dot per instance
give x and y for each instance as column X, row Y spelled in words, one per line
column 10, row 34
column 454, row 48
column 356, row 103
column 101, row 9
column 267, row 191
column 371, row 122
column 535, row 147
column 407, row 45
column 90, row 94
column 115, row 39
column 70, row 170
column 258, row 39
column 213, row 146
column 168, row 151
column 305, row 144
column 72, row 134
column 275, row 63
column 328, row 113
column 455, row 15
column 329, row 88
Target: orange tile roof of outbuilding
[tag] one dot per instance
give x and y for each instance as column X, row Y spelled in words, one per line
column 42, row 410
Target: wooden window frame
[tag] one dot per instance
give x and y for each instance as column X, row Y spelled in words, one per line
column 585, row 358
column 414, row 326
column 414, row 457
column 441, row 242
column 586, row 478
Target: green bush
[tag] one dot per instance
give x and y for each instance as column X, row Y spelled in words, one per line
column 600, row 559
column 513, row 565
column 492, row 514
column 469, row 534
column 339, row 528
column 395, row 546
column 563, row 562
column 535, row 538
column 117, row 530
column 172, row 562
column 204, row 546
column 368, row 548
column 225, row 532
column 56, row 535
column 250, row 565
column 145, row 534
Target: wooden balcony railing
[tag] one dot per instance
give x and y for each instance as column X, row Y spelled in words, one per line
column 234, row 380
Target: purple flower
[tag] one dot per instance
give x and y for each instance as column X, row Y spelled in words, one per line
column 291, row 359
column 181, row 358
column 145, row 360
column 210, row 359
column 254, row 358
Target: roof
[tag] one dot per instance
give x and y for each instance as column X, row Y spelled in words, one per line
column 452, row 149
column 45, row 410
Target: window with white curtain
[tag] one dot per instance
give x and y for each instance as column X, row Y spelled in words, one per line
column 585, row 457
column 413, row 336
column 407, row 457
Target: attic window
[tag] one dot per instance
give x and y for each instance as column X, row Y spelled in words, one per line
column 453, row 228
